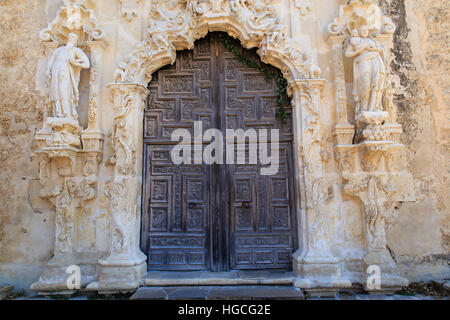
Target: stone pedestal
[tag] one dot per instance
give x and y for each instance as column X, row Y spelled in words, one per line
column 55, row 278
column 390, row 280
column 122, row 277
column 319, row 275
column 370, row 126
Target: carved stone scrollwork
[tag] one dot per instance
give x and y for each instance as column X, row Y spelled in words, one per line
column 73, row 16
column 68, row 195
column 68, row 155
column 175, row 25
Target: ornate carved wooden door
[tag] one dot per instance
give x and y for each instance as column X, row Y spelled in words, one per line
column 214, row 217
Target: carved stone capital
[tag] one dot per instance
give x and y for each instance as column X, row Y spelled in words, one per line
column 344, row 134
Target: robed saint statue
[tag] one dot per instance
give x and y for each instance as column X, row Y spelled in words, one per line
column 63, row 74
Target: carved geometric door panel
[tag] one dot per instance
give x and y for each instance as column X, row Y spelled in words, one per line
column 262, row 234
column 177, row 214
column 214, row 217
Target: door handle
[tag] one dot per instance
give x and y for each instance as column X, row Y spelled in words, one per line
column 247, row 204
column 191, row 205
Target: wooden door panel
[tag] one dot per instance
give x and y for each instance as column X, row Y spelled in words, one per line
column 261, row 207
column 178, row 204
column 261, row 215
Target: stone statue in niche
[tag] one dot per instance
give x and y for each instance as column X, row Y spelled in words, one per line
column 369, row 72
column 63, row 74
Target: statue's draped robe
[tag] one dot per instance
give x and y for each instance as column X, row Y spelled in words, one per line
column 369, row 77
column 65, row 78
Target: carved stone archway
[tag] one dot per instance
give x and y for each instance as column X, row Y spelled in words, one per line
column 176, row 27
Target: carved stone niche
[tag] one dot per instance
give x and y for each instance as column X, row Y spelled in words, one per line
column 372, row 162
column 68, row 155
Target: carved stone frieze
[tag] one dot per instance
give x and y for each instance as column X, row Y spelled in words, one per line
column 175, row 25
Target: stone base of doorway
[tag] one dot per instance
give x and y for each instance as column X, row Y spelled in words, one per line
column 232, row 278
column 243, row 292
column 322, row 287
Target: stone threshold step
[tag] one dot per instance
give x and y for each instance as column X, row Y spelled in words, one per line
column 218, row 293
column 232, row 278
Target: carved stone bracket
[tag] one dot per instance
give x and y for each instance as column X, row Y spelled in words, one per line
column 375, row 173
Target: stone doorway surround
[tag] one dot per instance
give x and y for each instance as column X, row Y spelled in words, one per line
column 79, row 176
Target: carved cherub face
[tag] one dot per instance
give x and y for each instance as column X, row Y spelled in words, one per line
column 363, row 31
column 71, row 186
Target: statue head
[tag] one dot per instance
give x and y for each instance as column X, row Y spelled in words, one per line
column 363, row 31
column 72, row 39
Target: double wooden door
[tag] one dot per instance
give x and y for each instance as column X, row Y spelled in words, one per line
column 214, row 217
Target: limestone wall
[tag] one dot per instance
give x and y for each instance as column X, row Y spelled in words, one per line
column 418, row 234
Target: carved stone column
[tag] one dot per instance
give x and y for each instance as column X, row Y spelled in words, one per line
column 316, row 267
column 125, row 266
column 92, row 136
column 344, row 131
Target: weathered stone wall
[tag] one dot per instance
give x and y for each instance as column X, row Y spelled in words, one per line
column 418, row 235
column 26, row 230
